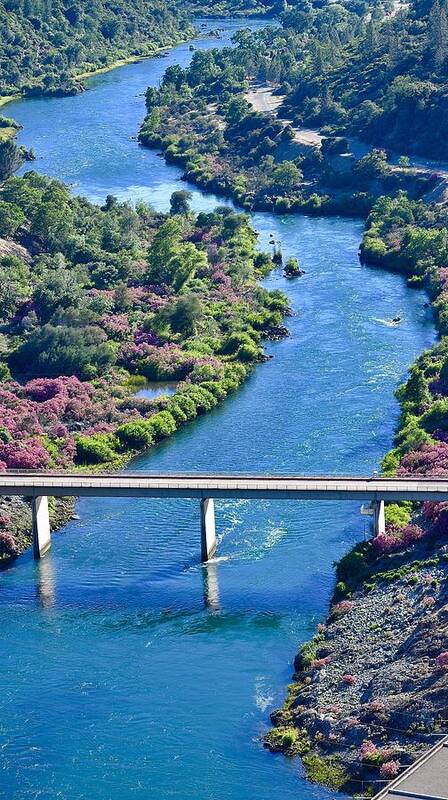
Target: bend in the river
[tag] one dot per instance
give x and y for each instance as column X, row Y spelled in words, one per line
column 128, row 670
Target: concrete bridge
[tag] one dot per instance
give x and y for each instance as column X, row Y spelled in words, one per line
column 207, row 488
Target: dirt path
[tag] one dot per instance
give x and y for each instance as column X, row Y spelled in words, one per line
column 262, row 99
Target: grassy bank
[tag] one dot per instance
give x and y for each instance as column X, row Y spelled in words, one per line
column 9, row 99
column 122, row 62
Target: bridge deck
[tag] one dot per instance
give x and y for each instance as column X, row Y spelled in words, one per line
column 222, row 486
column 426, row 779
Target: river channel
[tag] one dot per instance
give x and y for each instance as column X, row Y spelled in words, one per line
column 128, row 670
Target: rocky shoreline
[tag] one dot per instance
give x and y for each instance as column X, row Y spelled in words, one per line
column 370, row 690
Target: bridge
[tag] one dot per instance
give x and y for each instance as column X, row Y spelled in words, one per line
column 426, row 779
column 207, row 488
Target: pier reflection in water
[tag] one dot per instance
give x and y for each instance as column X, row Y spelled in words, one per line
column 45, row 581
column 211, row 585
column 46, row 573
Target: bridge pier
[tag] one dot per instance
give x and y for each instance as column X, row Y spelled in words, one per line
column 379, row 521
column 41, row 526
column 208, row 530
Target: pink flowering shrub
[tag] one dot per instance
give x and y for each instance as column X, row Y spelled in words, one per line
column 374, row 707
column 319, row 663
column 342, row 608
column 390, row 769
column 396, row 538
column 25, row 455
column 431, row 460
column 442, row 661
column 332, row 708
column 146, row 337
column 116, row 326
column 368, row 750
column 42, row 389
column 8, row 546
column 437, row 516
column 348, row 680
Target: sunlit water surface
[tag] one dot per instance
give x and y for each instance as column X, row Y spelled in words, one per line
column 128, row 670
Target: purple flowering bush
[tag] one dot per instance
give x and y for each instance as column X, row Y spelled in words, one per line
column 114, row 293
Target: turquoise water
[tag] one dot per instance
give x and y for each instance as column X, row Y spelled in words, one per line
column 128, row 670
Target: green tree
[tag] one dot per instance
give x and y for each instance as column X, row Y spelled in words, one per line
column 57, row 350
column 287, row 175
column 180, row 202
column 11, row 218
column 185, row 314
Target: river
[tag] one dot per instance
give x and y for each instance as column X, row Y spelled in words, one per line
column 128, row 670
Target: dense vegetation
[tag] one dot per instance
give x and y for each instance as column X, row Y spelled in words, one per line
column 413, row 238
column 387, row 84
column 93, row 300
column 235, row 8
column 45, row 44
column 381, row 77
column 201, row 118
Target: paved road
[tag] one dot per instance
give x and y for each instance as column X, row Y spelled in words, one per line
column 426, row 779
column 216, row 486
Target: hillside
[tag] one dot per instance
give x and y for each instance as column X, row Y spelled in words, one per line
column 44, row 44
column 388, row 85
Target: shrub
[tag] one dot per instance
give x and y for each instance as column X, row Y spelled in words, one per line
column 442, row 661
column 398, row 514
column 216, row 388
column 234, row 341
column 186, row 404
column 247, row 353
column 203, row 399
column 348, row 680
column 396, row 538
column 96, row 449
column 11, row 218
column 390, row 463
column 325, row 771
column 8, row 546
column 135, row 435
column 163, row 424
column 436, row 417
column 369, row 752
column 342, row 608
column 60, row 350
column 320, row 663
column 390, row 769
column 30, row 454
column 177, row 412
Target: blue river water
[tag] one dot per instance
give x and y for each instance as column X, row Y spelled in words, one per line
column 128, row 671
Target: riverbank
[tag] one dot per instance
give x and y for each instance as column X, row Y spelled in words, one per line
column 9, row 99
column 261, row 161
column 150, row 304
column 370, row 690
column 122, row 62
